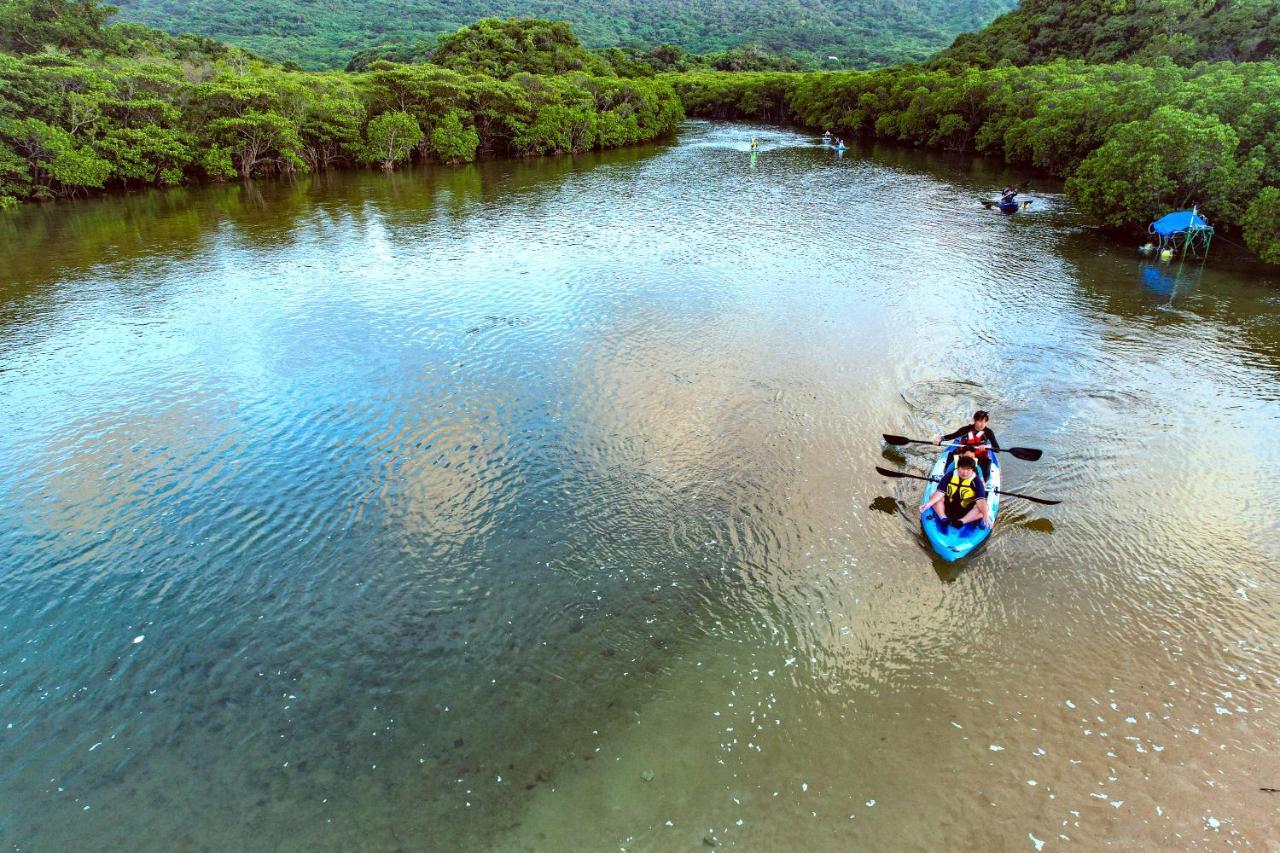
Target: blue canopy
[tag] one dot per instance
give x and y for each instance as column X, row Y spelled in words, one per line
column 1178, row 221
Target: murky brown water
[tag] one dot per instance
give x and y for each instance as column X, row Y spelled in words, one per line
column 531, row 506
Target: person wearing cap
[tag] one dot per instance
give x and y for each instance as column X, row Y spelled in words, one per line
column 977, row 440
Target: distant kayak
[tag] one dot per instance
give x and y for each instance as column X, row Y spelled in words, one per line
column 1010, row 206
column 950, row 542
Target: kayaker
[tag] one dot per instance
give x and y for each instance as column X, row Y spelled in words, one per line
column 978, row 436
column 1008, row 195
column 754, row 144
column 961, row 497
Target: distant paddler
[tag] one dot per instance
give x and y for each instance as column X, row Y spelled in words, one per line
column 826, row 137
column 755, row 144
column 1008, row 202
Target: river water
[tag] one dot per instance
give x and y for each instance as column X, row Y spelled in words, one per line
column 532, row 506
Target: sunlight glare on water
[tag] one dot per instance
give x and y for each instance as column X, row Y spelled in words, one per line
column 532, row 506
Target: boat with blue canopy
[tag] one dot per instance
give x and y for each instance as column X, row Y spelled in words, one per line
column 1182, row 230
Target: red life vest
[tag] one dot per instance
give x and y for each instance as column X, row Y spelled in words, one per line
column 975, row 439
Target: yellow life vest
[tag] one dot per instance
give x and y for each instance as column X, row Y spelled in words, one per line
column 960, row 491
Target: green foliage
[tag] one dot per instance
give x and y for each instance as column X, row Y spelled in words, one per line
column 331, row 120
column 148, row 155
column 31, row 26
column 1262, row 225
column 391, row 136
column 318, row 34
column 46, row 156
column 1184, row 31
column 502, row 48
column 751, row 57
column 1161, row 163
column 418, row 51
column 558, row 129
column 453, row 142
column 215, row 162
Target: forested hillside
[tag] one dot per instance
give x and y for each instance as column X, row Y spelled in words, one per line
column 327, row 33
column 1185, row 31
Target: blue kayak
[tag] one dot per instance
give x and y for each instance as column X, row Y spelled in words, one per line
column 953, row 543
column 1009, row 206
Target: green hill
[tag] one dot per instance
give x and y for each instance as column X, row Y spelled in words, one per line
column 326, row 33
column 1185, row 31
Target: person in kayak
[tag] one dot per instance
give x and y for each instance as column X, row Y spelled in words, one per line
column 1008, row 195
column 961, row 497
column 977, row 436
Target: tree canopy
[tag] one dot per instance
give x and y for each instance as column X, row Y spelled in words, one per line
column 1184, row 31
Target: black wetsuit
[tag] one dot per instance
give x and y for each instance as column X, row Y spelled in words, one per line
column 985, row 437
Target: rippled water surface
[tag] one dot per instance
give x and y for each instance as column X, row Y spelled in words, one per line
column 532, row 506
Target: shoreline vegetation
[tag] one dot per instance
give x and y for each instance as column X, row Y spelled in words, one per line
column 87, row 105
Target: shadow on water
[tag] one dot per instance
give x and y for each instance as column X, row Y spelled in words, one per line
column 894, row 455
column 950, row 572
column 887, row 505
column 1039, row 525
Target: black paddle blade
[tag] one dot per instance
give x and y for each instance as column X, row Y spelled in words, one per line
column 1030, row 454
column 896, row 439
column 887, row 473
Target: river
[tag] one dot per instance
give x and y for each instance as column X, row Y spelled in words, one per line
column 532, row 506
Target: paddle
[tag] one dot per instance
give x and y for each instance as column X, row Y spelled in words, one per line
column 1030, row 454
column 887, row 473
